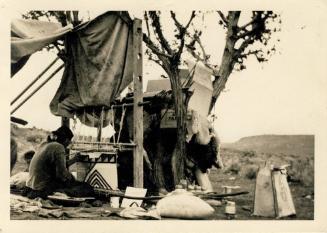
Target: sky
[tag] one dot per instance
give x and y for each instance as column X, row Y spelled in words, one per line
column 282, row 96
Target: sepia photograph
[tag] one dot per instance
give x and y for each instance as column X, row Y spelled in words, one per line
column 165, row 114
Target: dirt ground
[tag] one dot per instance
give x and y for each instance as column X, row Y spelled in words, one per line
column 241, row 164
column 244, row 203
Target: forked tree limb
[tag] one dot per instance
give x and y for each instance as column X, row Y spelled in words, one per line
column 153, row 47
column 158, row 30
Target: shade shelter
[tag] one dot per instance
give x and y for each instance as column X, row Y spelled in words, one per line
column 101, row 58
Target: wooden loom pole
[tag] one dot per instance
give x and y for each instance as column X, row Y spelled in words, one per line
column 37, row 89
column 67, row 51
column 137, row 109
column 35, row 80
column 65, row 121
column 99, row 130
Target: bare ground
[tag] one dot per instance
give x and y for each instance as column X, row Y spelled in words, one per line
column 244, row 203
column 241, row 167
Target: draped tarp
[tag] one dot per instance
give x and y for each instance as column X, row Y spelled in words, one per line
column 29, row 36
column 98, row 68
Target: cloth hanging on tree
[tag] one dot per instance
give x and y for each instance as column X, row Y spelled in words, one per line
column 99, row 67
column 29, row 36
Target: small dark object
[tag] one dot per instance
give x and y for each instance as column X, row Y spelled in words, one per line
column 85, row 205
column 78, row 189
column 70, row 201
column 29, row 154
column 18, row 120
column 48, row 204
column 133, row 204
column 230, row 216
column 17, row 191
column 204, row 156
column 291, row 179
column 97, row 203
column 32, row 194
column 246, row 208
column 13, row 153
column 234, row 168
column 251, row 173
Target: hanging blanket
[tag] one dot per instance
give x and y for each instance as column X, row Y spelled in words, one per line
column 29, row 36
column 99, row 67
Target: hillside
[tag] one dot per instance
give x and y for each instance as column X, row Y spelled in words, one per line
column 300, row 145
column 27, row 139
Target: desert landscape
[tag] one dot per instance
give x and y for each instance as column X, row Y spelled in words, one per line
column 242, row 160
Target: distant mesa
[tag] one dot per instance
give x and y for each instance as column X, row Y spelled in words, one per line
column 276, row 144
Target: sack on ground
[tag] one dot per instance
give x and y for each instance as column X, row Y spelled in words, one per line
column 19, row 180
column 184, row 206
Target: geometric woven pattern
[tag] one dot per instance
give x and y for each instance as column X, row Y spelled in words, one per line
column 96, row 180
column 103, row 175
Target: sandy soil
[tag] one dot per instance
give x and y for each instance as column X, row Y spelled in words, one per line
column 244, row 203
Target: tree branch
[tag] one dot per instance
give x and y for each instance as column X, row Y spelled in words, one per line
column 206, row 64
column 198, row 40
column 223, row 18
column 246, row 33
column 205, row 58
column 177, row 24
column 182, row 31
column 243, row 46
column 155, row 60
column 247, row 24
column 190, row 20
column 157, row 27
column 256, row 22
column 257, row 53
column 153, row 47
column 147, row 23
column 254, row 52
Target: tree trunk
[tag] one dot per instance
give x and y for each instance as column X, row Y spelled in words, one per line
column 159, row 175
column 228, row 60
column 179, row 153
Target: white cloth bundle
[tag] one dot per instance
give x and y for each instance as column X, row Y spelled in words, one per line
column 184, row 205
column 19, row 179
